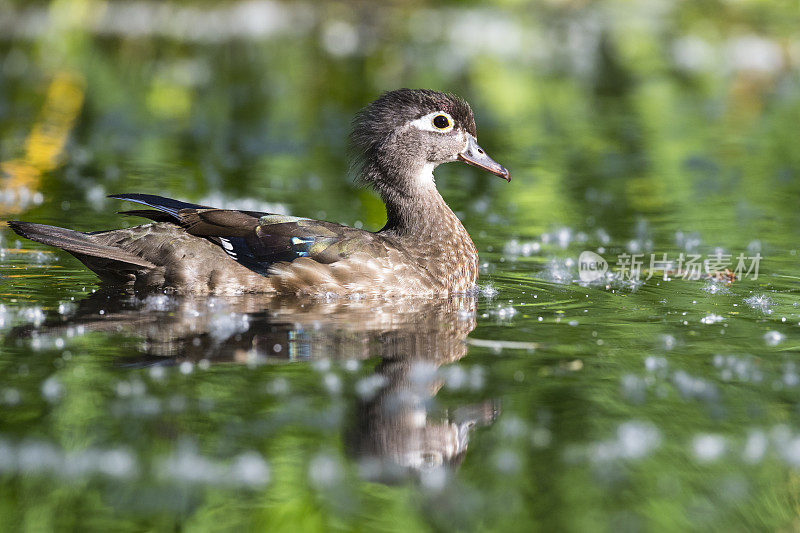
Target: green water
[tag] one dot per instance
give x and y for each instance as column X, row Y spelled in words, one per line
column 540, row 403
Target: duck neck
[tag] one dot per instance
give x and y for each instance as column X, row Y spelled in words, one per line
column 414, row 207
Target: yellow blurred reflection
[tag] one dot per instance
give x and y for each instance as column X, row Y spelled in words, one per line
column 21, row 177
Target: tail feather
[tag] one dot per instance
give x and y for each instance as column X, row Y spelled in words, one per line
column 106, row 261
column 167, row 205
column 152, row 214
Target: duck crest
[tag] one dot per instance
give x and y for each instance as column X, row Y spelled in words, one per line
column 422, row 250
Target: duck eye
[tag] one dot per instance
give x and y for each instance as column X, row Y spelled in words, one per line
column 441, row 122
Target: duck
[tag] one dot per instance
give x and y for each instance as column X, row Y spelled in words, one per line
column 422, row 250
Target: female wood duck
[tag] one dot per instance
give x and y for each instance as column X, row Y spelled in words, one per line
column 422, row 250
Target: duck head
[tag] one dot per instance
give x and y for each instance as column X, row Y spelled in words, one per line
column 403, row 135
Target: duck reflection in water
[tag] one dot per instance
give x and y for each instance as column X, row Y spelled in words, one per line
column 394, row 432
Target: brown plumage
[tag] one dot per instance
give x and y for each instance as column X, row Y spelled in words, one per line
column 422, row 250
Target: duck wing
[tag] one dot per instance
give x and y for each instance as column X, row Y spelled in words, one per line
column 257, row 240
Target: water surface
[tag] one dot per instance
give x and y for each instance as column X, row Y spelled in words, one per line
column 539, row 402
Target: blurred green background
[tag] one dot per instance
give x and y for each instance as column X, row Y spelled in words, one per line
column 654, row 126
column 604, row 109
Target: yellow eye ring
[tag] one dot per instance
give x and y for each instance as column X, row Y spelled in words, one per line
column 441, row 122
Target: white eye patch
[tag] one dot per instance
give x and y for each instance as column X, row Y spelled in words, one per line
column 438, row 121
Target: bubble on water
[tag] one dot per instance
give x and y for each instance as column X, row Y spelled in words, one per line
column 138, row 388
column 52, row 389
column 503, row 312
column 637, row 439
column 372, row 468
column 688, row 241
column 158, row 302
column 633, row 440
column 715, row 287
column 773, row 338
column 177, row 403
column 754, row 246
column 226, row 325
column 249, row 469
column 434, row 479
column 708, row 447
column 333, row 383
column 186, row 465
column 186, row 367
column 486, row 268
column 692, row 53
column 755, row 446
column 37, row 456
column 541, row 437
column 507, row 461
column 668, row 342
column 476, row 377
column 634, row 388
column 253, row 357
column 75, row 331
column 278, row 387
column 118, row 463
column 324, row 470
column 481, row 205
column 694, row 387
column 637, row 246
column 790, row 376
column 602, row 236
column 351, row 365
column 369, row 386
column 514, row 248
column 654, row 363
column 218, row 199
column 563, row 236
column 8, row 460
column 760, row 302
column 558, row 271
column 712, row 319
column 790, row 451
column 742, row 368
column 123, row 389
column 42, row 258
column 340, row 38
column 488, row 291
column 465, row 315
column 780, row 434
column 157, row 372
column 422, row 374
column 419, row 417
column 754, row 53
column 37, row 342
column 144, row 407
column 455, row 377
column 96, row 196
column 321, row 365
column 32, row 315
column 11, row 396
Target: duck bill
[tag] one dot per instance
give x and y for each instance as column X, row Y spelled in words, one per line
column 475, row 156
